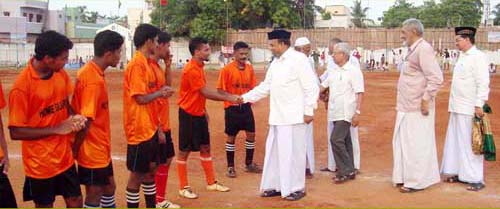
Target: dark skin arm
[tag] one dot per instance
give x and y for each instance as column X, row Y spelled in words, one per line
column 3, row 145
column 165, row 91
column 71, row 124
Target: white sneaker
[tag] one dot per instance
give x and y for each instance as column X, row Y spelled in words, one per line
column 187, row 193
column 217, row 187
column 167, row 204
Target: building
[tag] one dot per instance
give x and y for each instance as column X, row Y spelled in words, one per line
column 76, row 28
column 127, row 46
column 137, row 16
column 340, row 17
column 23, row 20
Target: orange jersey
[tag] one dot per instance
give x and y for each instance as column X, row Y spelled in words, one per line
column 192, row 81
column 139, row 79
column 2, row 105
column 162, row 108
column 91, row 100
column 38, row 103
column 236, row 81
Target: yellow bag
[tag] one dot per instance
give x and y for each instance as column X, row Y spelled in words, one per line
column 477, row 136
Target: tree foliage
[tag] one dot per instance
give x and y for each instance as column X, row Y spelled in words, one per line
column 447, row 13
column 359, row 14
column 208, row 18
column 496, row 12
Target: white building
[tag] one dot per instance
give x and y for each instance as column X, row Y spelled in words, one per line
column 340, row 17
column 21, row 19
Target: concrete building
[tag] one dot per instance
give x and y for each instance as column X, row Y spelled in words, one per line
column 76, row 28
column 340, row 17
column 25, row 19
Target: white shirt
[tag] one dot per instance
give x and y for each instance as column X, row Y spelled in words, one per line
column 344, row 82
column 330, row 65
column 293, row 91
column 470, row 84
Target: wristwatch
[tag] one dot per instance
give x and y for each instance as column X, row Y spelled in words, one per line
column 358, row 112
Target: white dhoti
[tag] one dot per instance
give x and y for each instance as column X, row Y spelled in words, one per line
column 458, row 158
column 285, row 159
column 310, row 147
column 414, row 150
column 355, row 147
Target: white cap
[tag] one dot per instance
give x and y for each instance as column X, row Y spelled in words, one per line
column 302, row 41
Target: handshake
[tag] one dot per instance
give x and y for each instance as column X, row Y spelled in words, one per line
column 73, row 123
column 235, row 99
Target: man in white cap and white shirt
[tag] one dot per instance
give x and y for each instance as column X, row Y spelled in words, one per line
column 293, row 95
column 353, row 61
column 303, row 45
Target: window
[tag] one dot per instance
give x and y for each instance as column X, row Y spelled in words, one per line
column 68, row 18
column 30, row 19
column 60, row 16
column 25, row 15
column 6, row 14
column 38, row 18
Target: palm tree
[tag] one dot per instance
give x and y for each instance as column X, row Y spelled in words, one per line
column 359, row 14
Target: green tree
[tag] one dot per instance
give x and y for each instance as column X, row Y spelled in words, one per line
column 431, row 16
column 398, row 13
column 461, row 12
column 496, row 12
column 208, row 18
column 359, row 14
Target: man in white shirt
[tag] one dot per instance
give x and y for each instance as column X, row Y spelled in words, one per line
column 346, row 87
column 331, row 167
column 293, row 95
column 303, row 45
column 469, row 92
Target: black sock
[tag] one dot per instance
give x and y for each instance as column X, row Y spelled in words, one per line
column 132, row 198
column 149, row 190
column 230, row 154
column 250, row 147
column 90, row 205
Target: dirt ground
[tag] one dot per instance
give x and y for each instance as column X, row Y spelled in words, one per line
column 372, row 188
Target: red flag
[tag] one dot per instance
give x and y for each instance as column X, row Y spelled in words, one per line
column 163, row 3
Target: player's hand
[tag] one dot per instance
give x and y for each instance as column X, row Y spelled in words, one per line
column 479, row 112
column 79, row 122
column 67, row 126
column 5, row 163
column 239, row 100
column 424, row 107
column 166, row 91
column 162, row 139
column 355, row 120
column 308, row 119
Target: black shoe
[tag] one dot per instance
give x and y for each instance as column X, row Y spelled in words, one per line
column 231, row 173
column 295, row 196
column 270, row 193
column 309, row 175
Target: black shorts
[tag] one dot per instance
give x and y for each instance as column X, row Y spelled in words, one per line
column 167, row 150
column 44, row 191
column 140, row 156
column 193, row 131
column 239, row 118
column 7, row 197
column 95, row 176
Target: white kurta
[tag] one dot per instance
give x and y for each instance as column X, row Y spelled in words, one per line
column 310, row 161
column 414, row 147
column 293, row 93
column 469, row 89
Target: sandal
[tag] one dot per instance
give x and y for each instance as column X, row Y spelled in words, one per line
column 409, row 190
column 340, row 179
column 475, row 187
column 452, row 179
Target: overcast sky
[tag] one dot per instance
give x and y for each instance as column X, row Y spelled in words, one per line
column 110, row 7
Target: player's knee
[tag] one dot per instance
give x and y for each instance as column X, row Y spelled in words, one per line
column 74, row 202
column 250, row 136
column 205, row 149
column 230, row 140
column 110, row 188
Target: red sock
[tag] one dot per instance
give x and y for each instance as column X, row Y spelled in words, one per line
column 182, row 172
column 206, row 163
column 161, row 177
